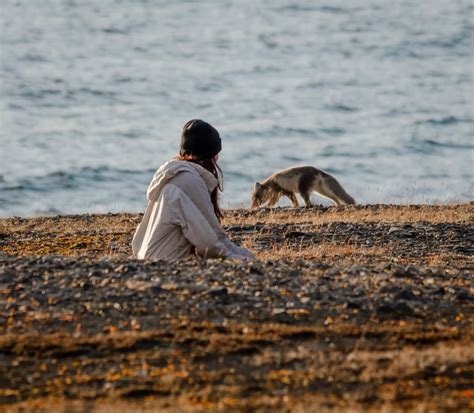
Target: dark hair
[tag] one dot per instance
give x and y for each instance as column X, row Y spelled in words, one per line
column 199, row 140
column 200, row 143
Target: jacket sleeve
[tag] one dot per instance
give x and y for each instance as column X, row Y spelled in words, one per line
column 198, row 195
column 195, row 227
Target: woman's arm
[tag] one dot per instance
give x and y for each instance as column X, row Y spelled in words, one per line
column 197, row 192
column 236, row 250
column 196, row 229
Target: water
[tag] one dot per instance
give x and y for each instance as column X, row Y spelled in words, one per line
column 94, row 95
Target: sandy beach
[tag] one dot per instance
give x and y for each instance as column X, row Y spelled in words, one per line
column 360, row 308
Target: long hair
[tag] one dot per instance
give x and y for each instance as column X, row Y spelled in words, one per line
column 215, row 170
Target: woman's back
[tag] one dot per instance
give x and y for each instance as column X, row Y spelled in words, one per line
column 183, row 212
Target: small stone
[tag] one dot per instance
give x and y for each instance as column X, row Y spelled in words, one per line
column 234, row 228
column 390, row 309
column 406, row 294
column 407, row 272
column 217, row 292
column 352, row 304
column 296, row 234
column 463, row 295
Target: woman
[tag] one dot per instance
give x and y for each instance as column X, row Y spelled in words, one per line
column 183, row 215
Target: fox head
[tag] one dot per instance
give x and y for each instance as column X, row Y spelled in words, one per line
column 259, row 195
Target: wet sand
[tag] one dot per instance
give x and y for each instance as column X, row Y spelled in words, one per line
column 346, row 309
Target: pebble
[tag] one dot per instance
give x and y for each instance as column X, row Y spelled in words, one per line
column 406, row 294
column 395, row 309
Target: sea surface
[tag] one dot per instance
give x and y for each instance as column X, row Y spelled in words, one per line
column 93, row 95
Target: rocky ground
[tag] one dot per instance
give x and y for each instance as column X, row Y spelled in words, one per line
column 365, row 308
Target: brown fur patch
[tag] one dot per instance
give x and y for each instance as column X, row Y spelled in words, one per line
column 275, row 192
column 278, row 189
column 305, row 186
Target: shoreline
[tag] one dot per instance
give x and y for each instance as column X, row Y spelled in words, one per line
column 347, row 308
column 411, row 234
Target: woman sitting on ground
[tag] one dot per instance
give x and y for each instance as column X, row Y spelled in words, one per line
column 183, row 215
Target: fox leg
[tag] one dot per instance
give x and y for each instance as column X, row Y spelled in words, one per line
column 293, row 199
column 305, row 187
column 306, row 198
column 330, row 188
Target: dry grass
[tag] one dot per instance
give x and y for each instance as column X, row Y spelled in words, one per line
column 333, row 358
column 323, row 251
column 110, row 235
column 461, row 213
column 72, row 224
column 126, row 223
column 409, row 359
column 413, row 361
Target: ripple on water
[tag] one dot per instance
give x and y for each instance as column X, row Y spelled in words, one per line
column 344, row 83
column 452, row 145
column 82, row 177
column 444, row 121
column 333, row 131
column 341, row 108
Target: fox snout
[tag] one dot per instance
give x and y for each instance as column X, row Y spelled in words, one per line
column 256, row 195
column 254, row 204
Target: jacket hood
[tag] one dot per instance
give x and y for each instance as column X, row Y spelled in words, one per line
column 170, row 169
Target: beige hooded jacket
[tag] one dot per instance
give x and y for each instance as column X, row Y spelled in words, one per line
column 180, row 215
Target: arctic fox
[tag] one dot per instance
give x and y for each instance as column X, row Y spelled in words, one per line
column 302, row 179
